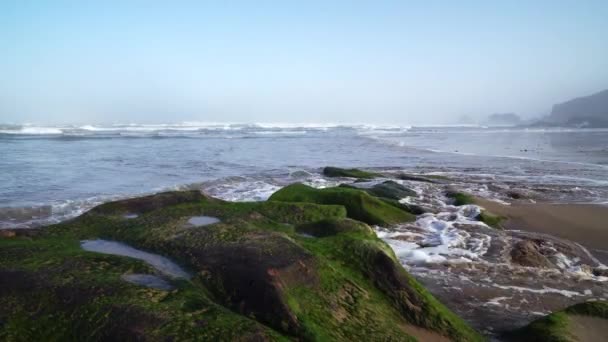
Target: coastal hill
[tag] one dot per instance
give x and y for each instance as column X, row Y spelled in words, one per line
column 586, row 111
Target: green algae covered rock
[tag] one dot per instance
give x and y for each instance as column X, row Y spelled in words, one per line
column 255, row 275
column 460, row 198
column 586, row 321
column 387, row 189
column 359, row 204
column 330, row 171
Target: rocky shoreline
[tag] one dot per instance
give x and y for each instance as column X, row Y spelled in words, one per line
column 307, row 264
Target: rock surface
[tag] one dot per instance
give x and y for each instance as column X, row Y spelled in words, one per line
column 255, row 277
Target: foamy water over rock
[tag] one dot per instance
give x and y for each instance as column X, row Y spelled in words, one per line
column 497, row 279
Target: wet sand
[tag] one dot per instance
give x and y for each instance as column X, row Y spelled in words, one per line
column 586, row 224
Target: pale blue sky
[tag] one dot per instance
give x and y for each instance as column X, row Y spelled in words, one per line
column 397, row 62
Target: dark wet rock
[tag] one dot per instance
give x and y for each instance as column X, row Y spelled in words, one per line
column 391, row 190
column 514, row 194
column 600, row 272
column 527, row 253
column 250, row 276
column 417, row 178
column 146, row 204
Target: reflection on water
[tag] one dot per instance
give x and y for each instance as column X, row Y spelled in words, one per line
column 160, row 263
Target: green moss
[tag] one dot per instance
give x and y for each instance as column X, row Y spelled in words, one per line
column 461, row 198
column 331, row 227
column 555, row 327
column 50, row 289
column 490, row 219
column 551, row 328
column 389, row 189
column 594, row 308
column 330, row 171
column 353, row 267
column 359, row 205
column 345, row 285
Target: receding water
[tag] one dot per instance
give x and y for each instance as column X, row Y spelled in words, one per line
column 160, row 263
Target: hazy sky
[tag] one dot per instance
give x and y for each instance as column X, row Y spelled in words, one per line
column 295, row 61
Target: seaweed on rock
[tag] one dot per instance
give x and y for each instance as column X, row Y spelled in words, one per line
column 255, row 276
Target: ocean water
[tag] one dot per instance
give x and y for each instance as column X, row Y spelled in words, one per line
column 52, row 173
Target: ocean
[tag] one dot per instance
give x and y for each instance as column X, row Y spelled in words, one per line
column 53, row 173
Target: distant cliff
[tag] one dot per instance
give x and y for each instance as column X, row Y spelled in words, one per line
column 587, row 111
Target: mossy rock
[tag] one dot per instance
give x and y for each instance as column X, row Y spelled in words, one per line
column 359, row 204
column 490, row 219
column 394, row 191
column 331, row 171
column 255, row 276
column 387, row 189
column 561, row 326
column 425, row 178
column 460, row 198
column 331, row 227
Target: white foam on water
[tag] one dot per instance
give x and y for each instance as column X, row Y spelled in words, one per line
column 243, row 191
column 33, row 130
column 544, row 290
column 160, row 263
column 497, row 301
column 437, row 239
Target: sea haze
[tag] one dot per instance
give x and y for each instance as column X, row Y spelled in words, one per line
column 51, row 173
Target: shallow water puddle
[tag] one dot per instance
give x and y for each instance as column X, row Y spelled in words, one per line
column 199, row 221
column 147, row 280
column 160, row 263
column 130, row 216
column 306, row 235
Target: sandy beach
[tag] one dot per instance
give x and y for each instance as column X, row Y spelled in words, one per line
column 586, row 224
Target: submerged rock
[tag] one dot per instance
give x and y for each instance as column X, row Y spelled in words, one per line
column 527, row 253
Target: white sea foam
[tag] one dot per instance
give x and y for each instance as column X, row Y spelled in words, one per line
column 544, row 290
column 437, row 239
column 33, row 130
column 242, row 191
